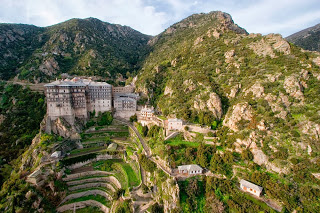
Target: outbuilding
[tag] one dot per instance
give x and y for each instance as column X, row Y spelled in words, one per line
column 174, row 124
column 56, row 154
column 191, row 169
column 250, row 187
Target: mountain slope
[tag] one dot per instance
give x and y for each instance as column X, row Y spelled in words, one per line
column 77, row 47
column 260, row 90
column 308, row 39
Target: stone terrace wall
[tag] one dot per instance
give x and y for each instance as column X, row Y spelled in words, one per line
column 98, row 179
column 91, row 185
column 83, row 204
column 85, row 193
column 83, row 174
column 99, row 157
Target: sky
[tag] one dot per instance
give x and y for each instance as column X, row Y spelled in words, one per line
column 154, row 16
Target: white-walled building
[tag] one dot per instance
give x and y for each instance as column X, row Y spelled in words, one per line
column 250, row 187
column 147, row 113
column 191, row 169
column 174, row 124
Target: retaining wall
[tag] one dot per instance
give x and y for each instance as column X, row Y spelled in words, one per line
column 92, row 185
column 85, row 193
column 83, row 204
column 111, row 179
column 99, row 157
column 83, row 174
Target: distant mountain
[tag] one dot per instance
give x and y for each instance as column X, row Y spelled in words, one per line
column 308, row 39
column 77, row 47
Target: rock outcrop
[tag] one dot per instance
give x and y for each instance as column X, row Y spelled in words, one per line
column 214, row 105
column 293, row 87
column 269, row 44
column 241, row 111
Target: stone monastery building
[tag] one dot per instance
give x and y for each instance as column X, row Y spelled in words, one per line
column 77, row 97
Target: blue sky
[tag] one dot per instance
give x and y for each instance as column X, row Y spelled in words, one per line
column 153, row 16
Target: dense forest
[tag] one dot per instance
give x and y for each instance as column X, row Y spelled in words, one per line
column 21, row 111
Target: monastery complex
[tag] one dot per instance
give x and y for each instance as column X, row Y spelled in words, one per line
column 76, row 98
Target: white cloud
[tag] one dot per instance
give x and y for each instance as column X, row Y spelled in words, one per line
column 46, row 12
column 153, row 16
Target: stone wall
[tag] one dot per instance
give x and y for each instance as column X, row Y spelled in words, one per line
column 91, row 185
column 83, row 204
column 111, row 179
column 99, row 157
column 82, row 174
column 86, row 193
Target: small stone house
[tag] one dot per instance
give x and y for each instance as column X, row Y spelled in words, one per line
column 190, row 169
column 174, row 124
column 250, row 187
column 56, row 154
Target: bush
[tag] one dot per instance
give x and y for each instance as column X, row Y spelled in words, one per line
column 147, row 164
column 70, row 161
column 104, row 119
column 282, row 153
column 134, row 118
column 247, row 155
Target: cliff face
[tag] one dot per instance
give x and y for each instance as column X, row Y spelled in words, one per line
column 76, row 47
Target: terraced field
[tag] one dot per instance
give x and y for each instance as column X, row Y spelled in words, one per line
column 95, row 184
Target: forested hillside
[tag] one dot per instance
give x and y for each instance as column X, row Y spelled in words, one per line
column 87, row 47
column 258, row 92
column 21, row 112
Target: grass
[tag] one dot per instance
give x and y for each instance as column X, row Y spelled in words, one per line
column 260, row 203
column 132, row 176
column 129, row 151
column 101, row 164
column 106, row 133
column 88, row 189
column 98, row 139
column 177, row 141
column 162, row 117
column 299, row 117
column 76, row 151
column 98, row 198
column 91, row 209
column 88, row 177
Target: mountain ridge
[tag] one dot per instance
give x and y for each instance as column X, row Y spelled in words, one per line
column 72, row 47
column 258, row 95
column 308, row 38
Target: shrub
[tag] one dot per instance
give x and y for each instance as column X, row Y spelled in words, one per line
column 133, row 118
column 247, row 155
column 105, row 119
column 147, row 164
